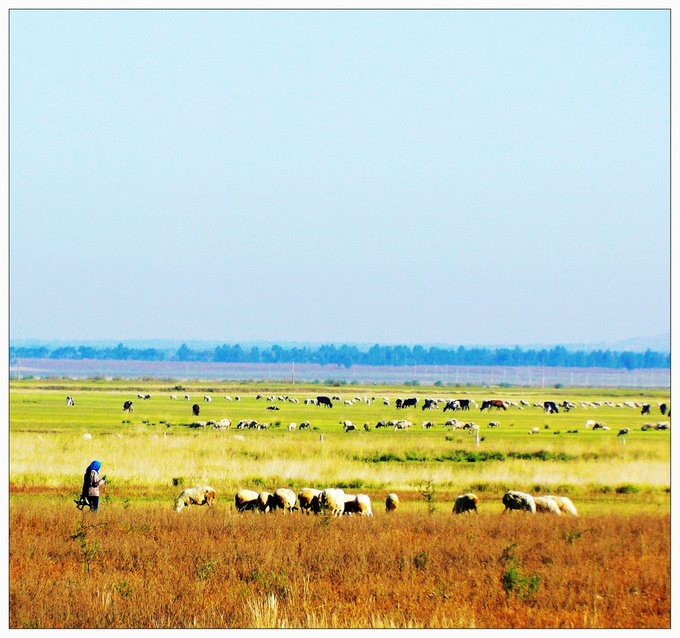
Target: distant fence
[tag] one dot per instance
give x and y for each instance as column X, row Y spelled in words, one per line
column 423, row 375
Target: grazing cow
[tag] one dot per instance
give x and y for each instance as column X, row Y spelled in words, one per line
column 325, row 401
column 466, row 503
column 273, row 407
column 391, row 502
column 146, row 396
column 662, row 426
column 207, row 398
column 623, row 432
column 493, row 424
column 246, row 500
column 70, row 402
column 309, row 500
column 453, row 405
column 200, row 495
column 349, row 426
column 600, row 426
column 514, row 500
column 464, row 404
column 196, row 409
column 367, row 427
column 492, row 403
column 663, row 408
column 428, row 424
column 550, row 407
column 430, row 404
column 399, row 403
column 291, row 426
column 409, row 403
column 646, row 408
column 534, row 430
column 127, row 406
column 305, row 425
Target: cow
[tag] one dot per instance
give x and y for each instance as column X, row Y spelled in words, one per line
column 70, row 402
column 127, row 406
column 430, row 404
column 550, row 407
column 452, row 404
column 325, row 401
column 662, row 408
column 399, row 403
column 646, row 408
column 623, row 432
column 409, row 403
column 492, row 403
column 207, row 398
column 196, row 409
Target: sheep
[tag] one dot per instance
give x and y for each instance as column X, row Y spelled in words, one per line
column 391, row 502
column 199, row 495
column 349, row 426
column 514, row 500
column 547, row 505
column 333, row 499
column 309, row 500
column 534, row 430
column 565, row 504
column 291, row 426
column 466, row 503
column 284, row 499
column 266, row 502
column 246, row 500
column 359, row 504
column 493, row 424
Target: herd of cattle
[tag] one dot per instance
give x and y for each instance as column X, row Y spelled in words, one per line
column 335, row 502
column 454, row 405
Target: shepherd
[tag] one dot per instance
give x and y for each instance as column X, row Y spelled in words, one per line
column 90, row 493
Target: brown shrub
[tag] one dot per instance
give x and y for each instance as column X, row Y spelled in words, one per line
column 146, row 567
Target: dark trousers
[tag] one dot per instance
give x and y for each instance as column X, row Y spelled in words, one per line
column 94, row 503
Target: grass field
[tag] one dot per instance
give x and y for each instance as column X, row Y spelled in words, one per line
column 456, row 571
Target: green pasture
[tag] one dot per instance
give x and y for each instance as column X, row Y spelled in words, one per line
column 154, row 450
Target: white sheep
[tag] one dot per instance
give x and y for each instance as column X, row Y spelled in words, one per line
column 199, row 495
column 266, row 502
column 514, row 500
column 309, row 500
column 547, row 505
column 391, row 502
column 565, row 504
column 359, row 504
column 333, row 499
column 534, row 430
column 284, row 499
column 246, row 500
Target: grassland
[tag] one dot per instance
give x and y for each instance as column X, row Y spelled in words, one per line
column 422, row 567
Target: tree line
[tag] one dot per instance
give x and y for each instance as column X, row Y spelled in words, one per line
column 348, row 356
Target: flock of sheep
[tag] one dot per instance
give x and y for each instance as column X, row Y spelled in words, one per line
column 336, row 502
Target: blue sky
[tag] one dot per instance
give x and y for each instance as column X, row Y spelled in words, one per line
column 461, row 177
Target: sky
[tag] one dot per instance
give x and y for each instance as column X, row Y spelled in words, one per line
column 444, row 176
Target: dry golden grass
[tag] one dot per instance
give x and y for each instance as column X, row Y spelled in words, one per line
column 149, row 567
